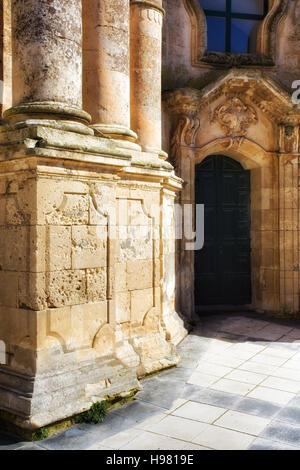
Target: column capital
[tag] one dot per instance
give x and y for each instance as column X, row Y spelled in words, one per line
column 183, row 101
column 155, row 4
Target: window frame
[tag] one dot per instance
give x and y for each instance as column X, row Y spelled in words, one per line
column 229, row 15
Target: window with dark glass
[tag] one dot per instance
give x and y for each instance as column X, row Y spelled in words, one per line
column 232, row 25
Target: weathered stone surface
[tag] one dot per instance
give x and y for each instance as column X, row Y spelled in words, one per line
column 89, row 247
column 155, row 353
column 82, row 259
column 123, row 307
column 67, row 288
column 81, row 294
column 47, row 60
column 139, row 274
column 106, row 62
column 97, row 284
column 146, row 45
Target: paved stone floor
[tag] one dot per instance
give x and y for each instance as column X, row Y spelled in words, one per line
column 237, row 387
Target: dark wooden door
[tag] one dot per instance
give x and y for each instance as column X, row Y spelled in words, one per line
column 222, row 267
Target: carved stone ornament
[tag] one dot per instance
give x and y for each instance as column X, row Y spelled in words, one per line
column 184, row 135
column 235, row 117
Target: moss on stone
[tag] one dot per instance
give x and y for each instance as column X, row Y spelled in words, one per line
column 94, row 415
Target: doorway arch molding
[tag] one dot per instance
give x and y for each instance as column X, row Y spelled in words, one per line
column 247, row 152
column 264, row 216
column 274, row 183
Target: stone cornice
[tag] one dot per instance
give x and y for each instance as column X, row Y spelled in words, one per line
column 253, row 86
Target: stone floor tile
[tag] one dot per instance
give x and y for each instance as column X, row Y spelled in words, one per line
column 282, row 432
column 246, row 357
column 179, row 373
column 178, row 428
column 286, row 373
column 289, row 414
column 296, row 357
column 268, row 359
column 259, row 368
column 213, row 369
column 99, row 447
column 120, row 439
column 288, row 340
column 261, row 408
column 273, row 332
column 72, row 440
column 176, row 404
column 188, row 363
column 163, row 394
column 246, row 347
column 271, row 394
column 242, row 351
column 138, row 412
column 280, row 350
column 295, row 402
column 242, row 422
column 246, row 376
column 224, row 359
column 294, row 333
column 217, row 345
column 199, row 412
column 198, row 378
column 244, row 325
column 223, row 439
column 232, row 386
column 214, row 397
column 293, row 364
column 281, row 383
column 191, row 446
column 144, row 424
column 150, row 441
column 231, row 338
column 265, row 444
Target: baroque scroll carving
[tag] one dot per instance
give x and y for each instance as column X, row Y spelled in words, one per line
column 235, row 117
column 184, row 135
column 184, row 104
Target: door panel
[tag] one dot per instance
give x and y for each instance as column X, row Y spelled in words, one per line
column 222, row 267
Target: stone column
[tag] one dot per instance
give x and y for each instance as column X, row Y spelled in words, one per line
column 106, row 68
column 146, row 50
column 6, row 90
column 47, row 61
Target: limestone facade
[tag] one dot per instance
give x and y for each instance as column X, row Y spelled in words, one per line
column 87, row 277
column 240, row 106
column 107, row 108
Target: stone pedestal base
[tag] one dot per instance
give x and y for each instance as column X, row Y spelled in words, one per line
column 71, row 388
column 82, row 314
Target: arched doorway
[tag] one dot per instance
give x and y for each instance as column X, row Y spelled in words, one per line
column 223, row 266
